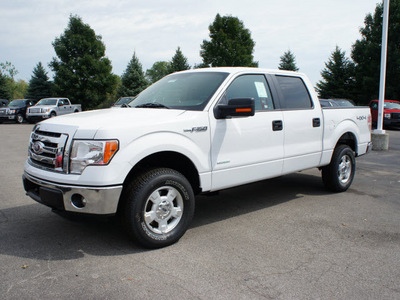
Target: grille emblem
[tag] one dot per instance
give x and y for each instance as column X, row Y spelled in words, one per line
column 37, row 147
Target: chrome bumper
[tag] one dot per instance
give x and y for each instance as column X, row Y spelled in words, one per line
column 81, row 199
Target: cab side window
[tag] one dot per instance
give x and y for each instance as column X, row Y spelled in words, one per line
column 251, row 86
column 294, row 92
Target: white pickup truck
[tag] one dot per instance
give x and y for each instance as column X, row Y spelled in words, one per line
column 192, row 132
column 50, row 107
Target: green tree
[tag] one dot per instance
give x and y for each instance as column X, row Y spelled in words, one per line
column 366, row 54
column 133, row 80
column 8, row 69
column 8, row 85
column 337, row 77
column 39, row 86
column 288, row 62
column 178, row 62
column 158, row 71
column 4, row 87
column 82, row 72
column 230, row 45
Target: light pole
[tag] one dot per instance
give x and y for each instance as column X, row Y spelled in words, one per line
column 380, row 138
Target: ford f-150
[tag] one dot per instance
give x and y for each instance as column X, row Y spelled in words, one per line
column 192, row 132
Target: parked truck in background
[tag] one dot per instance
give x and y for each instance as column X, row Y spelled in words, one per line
column 192, row 132
column 16, row 110
column 50, row 107
column 391, row 113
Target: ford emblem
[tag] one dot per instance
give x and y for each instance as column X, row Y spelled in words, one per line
column 37, row 147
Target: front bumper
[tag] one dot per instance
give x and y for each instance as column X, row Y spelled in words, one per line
column 37, row 117
column 7, row 117
column 391, row 122
column 81, row 199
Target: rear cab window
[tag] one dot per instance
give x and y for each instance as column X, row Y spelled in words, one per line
column 294, row 92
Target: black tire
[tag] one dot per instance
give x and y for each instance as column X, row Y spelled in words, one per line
column 53, row 114
column 339, row 174
column 19, row 119
column 158, row 207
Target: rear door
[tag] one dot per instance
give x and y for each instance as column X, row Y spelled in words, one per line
column 302, row 122
column 247, row 149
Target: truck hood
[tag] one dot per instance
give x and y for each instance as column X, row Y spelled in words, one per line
column 100, row 123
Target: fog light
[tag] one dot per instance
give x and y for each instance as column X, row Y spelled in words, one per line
column 78, row 201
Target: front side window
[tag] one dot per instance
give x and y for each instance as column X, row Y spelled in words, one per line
column 294, row 92
column 251, row 86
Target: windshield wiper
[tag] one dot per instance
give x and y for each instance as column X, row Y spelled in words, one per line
column 152, row 105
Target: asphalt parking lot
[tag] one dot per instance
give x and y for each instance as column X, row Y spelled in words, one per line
column 285, row 238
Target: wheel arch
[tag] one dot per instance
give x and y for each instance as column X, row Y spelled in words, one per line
column 349, row 139
column 168, row 159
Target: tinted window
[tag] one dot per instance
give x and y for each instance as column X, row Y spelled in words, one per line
column 295, row 92
column 251, row 86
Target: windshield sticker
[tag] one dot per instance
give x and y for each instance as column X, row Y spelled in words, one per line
column 261, row 91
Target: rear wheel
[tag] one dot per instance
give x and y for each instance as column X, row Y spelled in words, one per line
column 158, row 207
column 339, row 174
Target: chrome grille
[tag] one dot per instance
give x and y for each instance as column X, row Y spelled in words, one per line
column 34, row 110
column 3, row 112
column 47, row 150
column 396, row 116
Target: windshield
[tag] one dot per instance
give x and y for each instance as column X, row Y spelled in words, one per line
column 392, row 105
column 17, row 103
column 188, row 91
column 124, row 100
column 47, row 101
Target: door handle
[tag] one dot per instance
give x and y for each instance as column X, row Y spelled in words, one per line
column 316, row 122
column 277, row 125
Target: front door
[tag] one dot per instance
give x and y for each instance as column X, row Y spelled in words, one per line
column 247, row 149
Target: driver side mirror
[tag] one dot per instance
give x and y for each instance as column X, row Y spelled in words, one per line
column 237, row 107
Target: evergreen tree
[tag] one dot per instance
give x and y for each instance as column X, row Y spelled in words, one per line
column 338, row 77
column 158, row 71
column 4, row 87
column 288, row 62
column 178, row 62
column 230, row 45
column 366, row 54
column 133, row 80
column 82, row 72
column 39, row 85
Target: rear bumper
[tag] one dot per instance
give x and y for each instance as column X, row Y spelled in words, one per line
column 80, row 199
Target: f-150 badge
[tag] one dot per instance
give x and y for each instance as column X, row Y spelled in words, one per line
column 196, row 129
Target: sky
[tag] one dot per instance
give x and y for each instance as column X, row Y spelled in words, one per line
column 311, row 29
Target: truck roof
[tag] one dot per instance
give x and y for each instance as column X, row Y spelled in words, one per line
column 235, row 70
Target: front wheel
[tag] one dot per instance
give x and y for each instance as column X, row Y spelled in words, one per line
column 158, row 207
column 19, row 119
column 339, row 174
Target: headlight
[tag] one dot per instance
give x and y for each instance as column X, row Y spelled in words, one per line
column 86, row 153
column 45, row 110
column 11, row 111
column 387, row 116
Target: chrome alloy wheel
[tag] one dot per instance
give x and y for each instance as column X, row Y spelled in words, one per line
column 344, row 169
column 163, row 210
